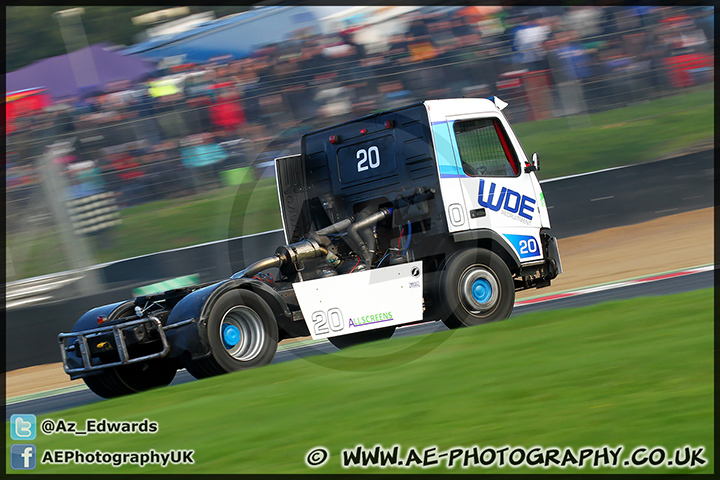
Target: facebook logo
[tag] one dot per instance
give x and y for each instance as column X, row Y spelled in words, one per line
column 23, row 427
column 22, row 457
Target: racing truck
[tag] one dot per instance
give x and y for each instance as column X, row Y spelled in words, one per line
column 429, row 212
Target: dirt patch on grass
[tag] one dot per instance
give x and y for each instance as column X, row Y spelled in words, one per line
column 667, row 243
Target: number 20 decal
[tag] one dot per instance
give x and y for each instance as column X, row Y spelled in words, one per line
column 370, row 157
column 333, row 319
column 528, row 246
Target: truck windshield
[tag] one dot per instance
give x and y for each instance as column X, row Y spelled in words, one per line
column 484, row 148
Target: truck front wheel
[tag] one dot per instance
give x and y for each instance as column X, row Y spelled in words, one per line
column 242, row 333
column 476, row 287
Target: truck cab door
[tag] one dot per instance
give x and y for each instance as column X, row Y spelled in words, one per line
column 493, row 190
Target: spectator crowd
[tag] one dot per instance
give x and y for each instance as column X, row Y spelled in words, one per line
column 179, row 132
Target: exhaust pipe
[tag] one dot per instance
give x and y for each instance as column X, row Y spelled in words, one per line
column 270, row 262
column 294, row 253
column 308, row 249
column 366, row 233
column 354, row 235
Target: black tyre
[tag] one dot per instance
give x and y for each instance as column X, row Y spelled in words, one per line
column 242, row 333
column 475, row 287
column 133, row 378
column 345, row 341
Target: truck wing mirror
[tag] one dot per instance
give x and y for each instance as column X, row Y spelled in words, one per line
column 534, row 164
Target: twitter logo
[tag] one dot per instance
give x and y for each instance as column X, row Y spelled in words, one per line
column 23, row 427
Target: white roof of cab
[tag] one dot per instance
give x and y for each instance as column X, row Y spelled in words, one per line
column 439, row 110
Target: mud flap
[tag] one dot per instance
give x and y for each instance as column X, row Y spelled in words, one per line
column 554, row 255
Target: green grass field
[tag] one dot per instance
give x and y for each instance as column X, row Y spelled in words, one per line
column 622, row 136
column 163, row 225
column 632, row 373
column 629, row 135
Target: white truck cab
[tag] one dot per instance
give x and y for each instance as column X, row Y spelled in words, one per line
column 454, row 183
column 487, row 182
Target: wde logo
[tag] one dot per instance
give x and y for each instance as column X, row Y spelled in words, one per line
column 507, row 199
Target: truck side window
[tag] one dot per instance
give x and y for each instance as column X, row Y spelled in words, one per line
column 485, row 148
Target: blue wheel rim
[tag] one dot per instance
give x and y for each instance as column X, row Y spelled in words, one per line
column 242, row 333
column 481, row 290
column 230, row 335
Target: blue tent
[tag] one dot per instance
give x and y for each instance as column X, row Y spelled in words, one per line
column 236, row 35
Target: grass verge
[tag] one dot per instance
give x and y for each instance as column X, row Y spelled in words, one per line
column 622, row 136
column 161, row 225
column 634, row 373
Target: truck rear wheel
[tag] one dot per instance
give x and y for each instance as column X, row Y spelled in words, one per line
column 476, row 287
column 133, row 378
column 242, row 333
column 345, row 341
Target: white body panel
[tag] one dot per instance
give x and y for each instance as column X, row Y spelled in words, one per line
column 360, row 301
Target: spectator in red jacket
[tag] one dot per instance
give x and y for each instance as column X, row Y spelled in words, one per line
column 131, row 181
column 226, row 113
